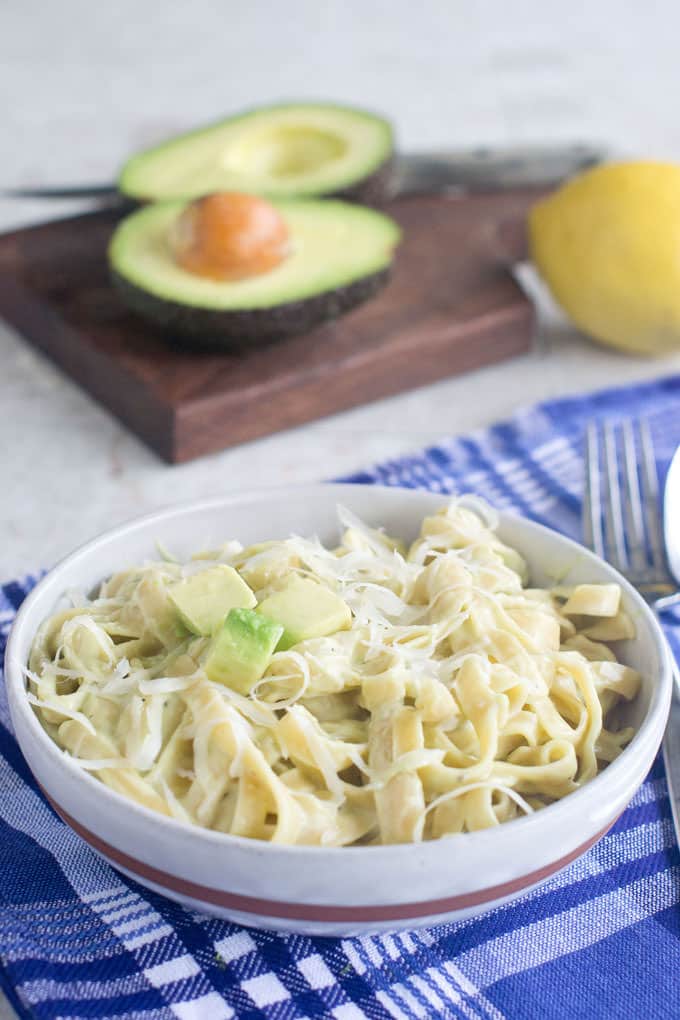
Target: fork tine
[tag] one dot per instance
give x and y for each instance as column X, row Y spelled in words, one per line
column 633, row 503
column 592, row 496
column 615, row 531
column 622, row 519
column 650, row 485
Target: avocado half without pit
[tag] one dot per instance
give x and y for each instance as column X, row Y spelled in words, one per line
column 232, row 269
column 302, row 149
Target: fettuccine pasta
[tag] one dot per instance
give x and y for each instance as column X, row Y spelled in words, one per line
column 452, row 697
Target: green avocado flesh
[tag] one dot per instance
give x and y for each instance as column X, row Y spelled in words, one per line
column 293, row 150
column 340, row 254
column 204, row 600
column 306, row 609
column 241, row 650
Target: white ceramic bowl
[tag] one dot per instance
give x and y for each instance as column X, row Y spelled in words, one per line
column 310, row 889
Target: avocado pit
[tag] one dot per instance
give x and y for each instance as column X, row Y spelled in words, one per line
column 229, row 236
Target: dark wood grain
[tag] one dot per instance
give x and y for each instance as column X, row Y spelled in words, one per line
column 451, row 306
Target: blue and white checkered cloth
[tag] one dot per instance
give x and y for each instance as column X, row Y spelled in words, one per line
column 602, row 939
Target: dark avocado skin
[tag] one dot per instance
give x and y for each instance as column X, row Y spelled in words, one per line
column 246, row 328
column 375, row 189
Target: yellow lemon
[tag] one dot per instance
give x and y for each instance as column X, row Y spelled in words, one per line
column 608, row 245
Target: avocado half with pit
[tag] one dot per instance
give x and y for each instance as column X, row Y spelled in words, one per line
column 340, row 255
column 302, row 149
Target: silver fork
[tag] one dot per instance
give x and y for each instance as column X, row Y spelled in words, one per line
column 622, row 488
column 632, row 541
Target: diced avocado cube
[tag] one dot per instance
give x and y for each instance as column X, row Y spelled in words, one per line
column 306, row 609
column 204, row 600
column 241, row 650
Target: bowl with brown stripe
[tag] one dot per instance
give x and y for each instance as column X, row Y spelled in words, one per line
column 332, row 890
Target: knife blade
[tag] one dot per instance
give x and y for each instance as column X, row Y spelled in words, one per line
column 671, row 755
column 671, row 516
column 483, row 169
column 492, row 169
column 671, row 740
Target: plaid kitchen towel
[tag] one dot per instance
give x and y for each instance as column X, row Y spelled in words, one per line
column 602, row 939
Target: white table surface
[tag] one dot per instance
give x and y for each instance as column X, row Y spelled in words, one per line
column 82, row 84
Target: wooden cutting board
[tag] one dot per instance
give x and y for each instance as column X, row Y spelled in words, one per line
column 451, row 306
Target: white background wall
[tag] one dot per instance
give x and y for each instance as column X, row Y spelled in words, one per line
column 84, row 83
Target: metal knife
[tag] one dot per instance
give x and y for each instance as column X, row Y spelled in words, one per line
column 483, row 169
column 671, row 740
